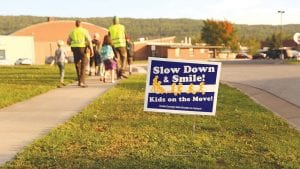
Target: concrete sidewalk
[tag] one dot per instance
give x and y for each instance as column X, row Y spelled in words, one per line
column 26, row 121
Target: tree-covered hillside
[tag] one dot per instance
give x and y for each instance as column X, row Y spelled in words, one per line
column 154, row 28
column 10, row 24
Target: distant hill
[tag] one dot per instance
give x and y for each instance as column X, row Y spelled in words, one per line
column 153, row 28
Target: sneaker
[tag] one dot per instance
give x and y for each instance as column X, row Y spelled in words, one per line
column 119, row 75
column 124, row 76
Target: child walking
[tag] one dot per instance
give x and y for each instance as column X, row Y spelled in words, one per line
column 107, row 57
column 130, row 53
column 60, row 58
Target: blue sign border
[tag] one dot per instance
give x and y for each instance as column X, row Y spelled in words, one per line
column 164, row 78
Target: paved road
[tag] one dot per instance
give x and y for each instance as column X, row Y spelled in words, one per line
column 271, row 83
column 280, row 79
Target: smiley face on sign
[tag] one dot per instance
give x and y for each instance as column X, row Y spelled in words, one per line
column 297, row 38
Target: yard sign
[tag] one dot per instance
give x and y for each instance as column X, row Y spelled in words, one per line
column 182, row 86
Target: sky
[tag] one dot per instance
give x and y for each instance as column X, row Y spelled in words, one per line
column 236, row 11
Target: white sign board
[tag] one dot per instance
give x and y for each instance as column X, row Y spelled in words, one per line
column 187, row 87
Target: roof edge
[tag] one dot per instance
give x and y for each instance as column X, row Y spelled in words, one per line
column 43, row 23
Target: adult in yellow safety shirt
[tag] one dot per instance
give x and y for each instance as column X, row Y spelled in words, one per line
column 117, row 35
column 79, row 39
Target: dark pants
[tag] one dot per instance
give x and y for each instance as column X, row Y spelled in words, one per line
column 121, row 55
column 80, row 61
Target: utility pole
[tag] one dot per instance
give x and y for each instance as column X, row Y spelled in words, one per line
column 281, row 45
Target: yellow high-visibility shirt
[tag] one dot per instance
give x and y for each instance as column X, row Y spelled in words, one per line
column 79, row 36
column 117, row 35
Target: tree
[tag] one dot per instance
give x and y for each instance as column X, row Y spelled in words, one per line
column 274, row 41
column 196, row 39
column 219, row 33
column 253, row 45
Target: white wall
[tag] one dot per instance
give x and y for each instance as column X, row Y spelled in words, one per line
column 17, row 47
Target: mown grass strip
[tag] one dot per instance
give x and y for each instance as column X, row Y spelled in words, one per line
column 114, row 132
column 292, row 61
column 18, row 83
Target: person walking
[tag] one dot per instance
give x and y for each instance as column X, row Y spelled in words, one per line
column 78, row 40
column 95, row 59
column 117, row 35
column 130, row 53
column 60, row 59
column 107, row 57
column 88, row 56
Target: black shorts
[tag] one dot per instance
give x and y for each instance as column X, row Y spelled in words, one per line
column 78, row 53
column 95, row 59
column 129, row 60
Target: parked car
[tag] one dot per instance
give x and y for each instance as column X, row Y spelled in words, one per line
column 259, row 56
column 242, row 56
column 49, row 60
column 276, row 53
column 23, row 61
column 295, row 54
column 4, row 62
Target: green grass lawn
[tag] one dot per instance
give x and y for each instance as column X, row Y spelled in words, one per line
column 18, row 83
column 292, row 61
column 115, row 132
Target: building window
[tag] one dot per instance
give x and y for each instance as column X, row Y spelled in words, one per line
column 191, row 52
column 2, row 54
column 177, row 52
